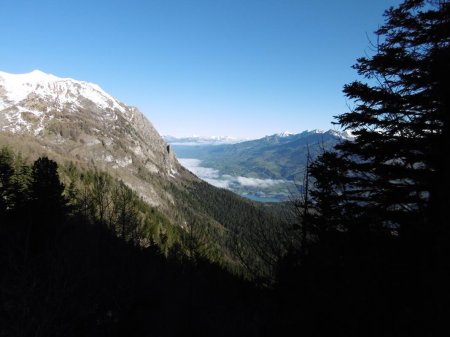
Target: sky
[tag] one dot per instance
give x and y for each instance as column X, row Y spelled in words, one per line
column 241, row 68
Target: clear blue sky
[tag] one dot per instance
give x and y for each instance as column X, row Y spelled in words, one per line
column 242, row 68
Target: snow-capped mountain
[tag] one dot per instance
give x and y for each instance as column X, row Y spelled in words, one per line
column 346, row 134
column 79, row 121
column 199, row 140
column 285, row 134
column 283, row 137
column 289, row 136
column 28, row 100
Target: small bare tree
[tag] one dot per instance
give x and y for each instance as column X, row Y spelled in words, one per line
column 301, row 204
column 101, row 194
column 124, row 211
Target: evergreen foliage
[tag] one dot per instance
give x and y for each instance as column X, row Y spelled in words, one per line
column 393, row 176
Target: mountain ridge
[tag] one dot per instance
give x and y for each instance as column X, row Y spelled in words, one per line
column 63, row 122
column 80, row 121
column 224, row 140
column 202, row 140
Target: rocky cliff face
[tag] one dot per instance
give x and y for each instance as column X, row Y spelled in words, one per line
column 78, row 121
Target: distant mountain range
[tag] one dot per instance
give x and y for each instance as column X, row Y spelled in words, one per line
column 199, row 140
column 278, row 156
column 222, row 140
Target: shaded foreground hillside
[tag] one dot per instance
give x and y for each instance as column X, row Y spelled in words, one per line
column 67, row 269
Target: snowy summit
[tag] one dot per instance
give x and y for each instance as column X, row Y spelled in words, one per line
column 285, row 134
column 200, row 140
column 17, row 87
column 36, row 96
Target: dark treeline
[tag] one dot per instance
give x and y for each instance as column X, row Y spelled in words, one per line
column 72, row 265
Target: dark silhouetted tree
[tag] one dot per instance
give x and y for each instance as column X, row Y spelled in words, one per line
column 46, row 188
column 48, row 204
column 382, row 199
column 392, row 177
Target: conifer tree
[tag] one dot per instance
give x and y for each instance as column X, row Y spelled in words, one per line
column 6, row 172
column 47, row 190
column 393, row 176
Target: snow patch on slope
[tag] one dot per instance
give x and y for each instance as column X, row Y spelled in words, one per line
column 201, row 140
column 285, row 134
column 61, row 91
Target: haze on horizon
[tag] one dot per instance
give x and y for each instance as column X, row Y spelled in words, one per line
column 244, row 69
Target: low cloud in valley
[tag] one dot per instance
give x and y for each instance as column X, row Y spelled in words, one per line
column 213, row 176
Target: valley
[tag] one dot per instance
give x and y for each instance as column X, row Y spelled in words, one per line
column 262, row 190
column 269, row 169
